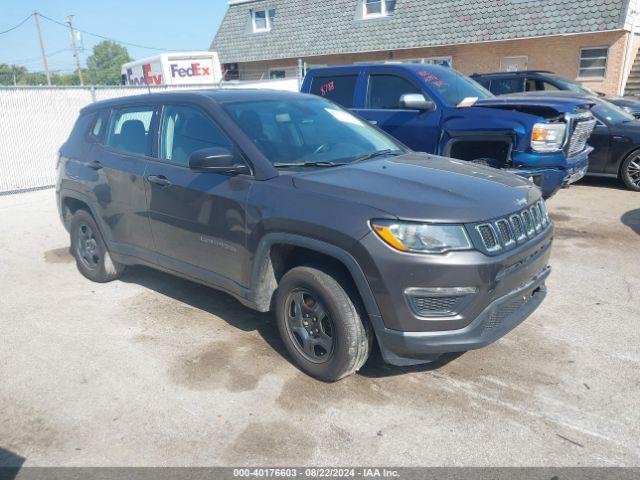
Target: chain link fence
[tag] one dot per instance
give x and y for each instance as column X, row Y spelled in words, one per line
column 36, row 121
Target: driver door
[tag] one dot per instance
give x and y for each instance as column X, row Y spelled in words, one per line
column 418, row 130
column 197, row 219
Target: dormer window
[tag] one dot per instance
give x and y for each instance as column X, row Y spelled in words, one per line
column 261, row 20
column 378, row 8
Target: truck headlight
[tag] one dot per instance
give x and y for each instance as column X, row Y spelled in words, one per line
column 422, row 237
column 548, row 137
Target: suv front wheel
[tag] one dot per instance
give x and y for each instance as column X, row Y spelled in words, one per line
column 90, row 251
column 320, row 324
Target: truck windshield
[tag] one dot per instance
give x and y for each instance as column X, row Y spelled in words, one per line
column 452, row 86
column 309, row 131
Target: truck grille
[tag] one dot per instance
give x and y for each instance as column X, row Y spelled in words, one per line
column 581, row 132
column 518, row 228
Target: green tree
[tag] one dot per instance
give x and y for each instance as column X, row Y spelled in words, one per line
column 105, row 62
column 11, row 73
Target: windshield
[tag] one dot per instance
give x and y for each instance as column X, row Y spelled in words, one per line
column 453, row 86
column 308, row 130
column 572, row 85
column 609, row 113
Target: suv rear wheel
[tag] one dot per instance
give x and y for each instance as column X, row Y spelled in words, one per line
column 320, row 324
column 90, row 251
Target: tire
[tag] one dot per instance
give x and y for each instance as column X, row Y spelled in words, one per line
column 630, row 172
column 344, row 338
column 88, row 248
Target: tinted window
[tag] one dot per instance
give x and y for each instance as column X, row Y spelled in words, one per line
column 385, row 91
column 502, row 86
column 129, row 129
column 309, row 130
column 339, row 89
column 99, row 126
column 185, row 130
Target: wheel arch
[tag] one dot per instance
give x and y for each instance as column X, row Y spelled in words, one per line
column 279, row 252
column 500, row 145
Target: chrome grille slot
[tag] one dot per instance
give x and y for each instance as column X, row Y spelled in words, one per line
column 518, row 228
column 489, row 237
column 581, row 132
column 505, row 232
column 528, row 223
column 535, row 216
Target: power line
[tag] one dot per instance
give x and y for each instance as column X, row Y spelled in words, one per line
column 17, row 26
column 102, row 36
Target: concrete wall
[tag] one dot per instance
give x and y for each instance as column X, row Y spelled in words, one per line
column 560, row 54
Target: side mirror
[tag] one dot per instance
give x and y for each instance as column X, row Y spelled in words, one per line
column 217, row 160
column 416, row 101
column 600, row 94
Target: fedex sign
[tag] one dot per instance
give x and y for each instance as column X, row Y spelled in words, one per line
column 194, row 70
column 147, row 77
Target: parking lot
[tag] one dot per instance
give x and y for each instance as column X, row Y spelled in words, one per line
column 153, row 370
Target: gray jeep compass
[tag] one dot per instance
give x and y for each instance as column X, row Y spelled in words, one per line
column 290, row 203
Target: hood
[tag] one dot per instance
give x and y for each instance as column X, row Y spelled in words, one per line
column 540, row 103
column 424, row 187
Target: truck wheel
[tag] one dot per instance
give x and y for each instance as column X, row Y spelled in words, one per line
column 630, row 172
column 320, row 324
column 487, row 162
column 90, row 251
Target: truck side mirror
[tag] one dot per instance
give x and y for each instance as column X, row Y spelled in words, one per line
column 416, row 101
column 217, row 160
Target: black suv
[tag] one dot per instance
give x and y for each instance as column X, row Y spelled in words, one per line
column 290, row 203
column 501, row 83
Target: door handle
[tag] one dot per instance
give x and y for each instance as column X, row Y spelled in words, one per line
column 96, row 165
column 373, row 122
column 160, row 180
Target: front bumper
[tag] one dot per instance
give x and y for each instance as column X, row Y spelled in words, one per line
column 496, row 320
column 548, row 178
column 409, row 333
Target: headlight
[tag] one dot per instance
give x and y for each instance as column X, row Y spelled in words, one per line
column 420, row 237
column 547, row 137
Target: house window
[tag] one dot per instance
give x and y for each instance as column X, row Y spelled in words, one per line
column 378, row 8
column 262, row 20
column 593, row 62
column 277, row 74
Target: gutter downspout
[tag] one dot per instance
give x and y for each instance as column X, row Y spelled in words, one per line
column 627, row 66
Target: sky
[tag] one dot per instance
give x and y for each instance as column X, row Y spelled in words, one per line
column 168, row 25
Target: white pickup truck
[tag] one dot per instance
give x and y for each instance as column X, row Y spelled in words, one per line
column 182, row 68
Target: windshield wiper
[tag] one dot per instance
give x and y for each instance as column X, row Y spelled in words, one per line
column 379, row 153
column 318, row 163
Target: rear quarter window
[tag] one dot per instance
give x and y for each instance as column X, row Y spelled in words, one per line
column 99, row 125
column 337, row 88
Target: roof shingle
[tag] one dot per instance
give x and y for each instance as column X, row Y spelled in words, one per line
column 305, row 28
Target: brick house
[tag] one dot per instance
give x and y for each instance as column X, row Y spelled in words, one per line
column 594, row 41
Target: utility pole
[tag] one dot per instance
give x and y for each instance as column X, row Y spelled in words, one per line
column 44, row 57
column 75, row 50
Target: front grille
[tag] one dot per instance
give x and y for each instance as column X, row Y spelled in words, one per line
column 428, row 306
column 504, row 311
column 582, row 130
column 518, row 228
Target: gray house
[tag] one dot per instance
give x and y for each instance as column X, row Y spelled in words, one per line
column 594, row 41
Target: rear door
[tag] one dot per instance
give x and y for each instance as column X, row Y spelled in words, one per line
column 340, row 87
column 418, row 130
column 506, row 85
column 197, row 219
column 118, row 161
